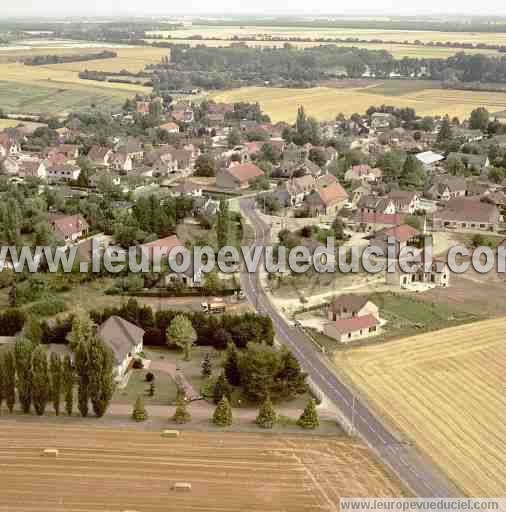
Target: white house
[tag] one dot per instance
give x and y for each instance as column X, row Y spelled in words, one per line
column 125, row 341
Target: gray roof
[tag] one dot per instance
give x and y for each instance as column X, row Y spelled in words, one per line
column 120, row 336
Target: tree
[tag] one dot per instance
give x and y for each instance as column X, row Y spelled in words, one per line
column 221, row 389
column 206, row 366
column 2, row 382
column 479, row 119
column 152, row 389
column 412, row 175
column 223, row 224
column 222, row 416
column 233, row 138
column 101, row 383
column 82, row 370
column 56, row 370
column 338, row 228
column 23, row 350
column 40, row 380
column 68, row 384
column 10, row 379
column 266, row 415
column 309, row 418
column 182, row 334
column 32, row 330
column 205, row 166
column 231, row 366
column 445, row 131
column 182, row 415
column 317, row 156
column 139, row 412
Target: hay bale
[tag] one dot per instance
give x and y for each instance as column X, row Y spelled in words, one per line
column 50, row 452
column 182, row 487
column 170, row 433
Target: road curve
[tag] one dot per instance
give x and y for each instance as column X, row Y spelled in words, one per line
column 417, row 473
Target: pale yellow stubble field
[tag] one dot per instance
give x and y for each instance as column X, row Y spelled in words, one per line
column 446, row 391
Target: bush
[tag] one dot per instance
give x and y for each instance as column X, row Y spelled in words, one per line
column 222, row 416
column 309, row 418
column 138, row 364
column 139, row 413
column 266, row 415
column 150, row 377
column 182, row 414
column 49, row 307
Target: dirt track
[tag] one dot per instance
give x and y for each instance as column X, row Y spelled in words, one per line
column 119, row 470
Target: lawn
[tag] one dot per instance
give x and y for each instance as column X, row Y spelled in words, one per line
column 165, row 389
column 445, row 391
column 325, row 103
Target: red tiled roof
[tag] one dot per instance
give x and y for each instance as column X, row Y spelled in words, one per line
column 349, row 302
column 68, row 225
column 386, row 219
column 332, row 194
column 402, row 233
column 354, row 324
column 245, row 172
column 166, row 244
column 468, row 209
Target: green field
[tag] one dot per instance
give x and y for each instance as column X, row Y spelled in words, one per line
column 325, row 103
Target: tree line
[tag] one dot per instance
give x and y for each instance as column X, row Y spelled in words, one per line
column 44, row 60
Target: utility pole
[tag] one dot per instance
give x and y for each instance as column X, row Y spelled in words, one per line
column 353, row 429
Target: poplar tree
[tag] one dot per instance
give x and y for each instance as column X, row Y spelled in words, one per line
column 82, row 370
column 2, row 382
column 232, row 365
column 40, row 380
column 221, row 389
column 68, row 384
column 10, row 380
column 266, row 415
column 101, row 383
column 139, row 412
column 182, row 415
column 56, row 370
column 309, row 418
column 23, row 350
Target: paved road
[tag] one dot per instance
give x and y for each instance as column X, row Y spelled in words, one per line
column 418, row 474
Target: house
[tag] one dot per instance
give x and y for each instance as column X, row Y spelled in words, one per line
column 100, row 155
column 351, row 329
column 133, row 148
column 404, row 202
column 352, row 317
column 294, row 168
column 63, row 172
column 350, row 306
column 373, row 203
column 326, row 200
column 435, row 274
column 108, row 177
column 466, row 213
column 363, row 173
column 164, row 165
column 183, row 158
column 359, row 192
column 380, row 120
column 121, row 162
column 429, row 159
column 161, row 247
column 68, row 228
column 68, row 151
column 294, row 191
column 238, row 176
column 366, row 221
column 443, row 188
column 32, row 168
column 478, row 162
column 9, row 145
column 142, row 107
column 169, row 127
column 188, row 189
column 403, row 235
column 125, row 341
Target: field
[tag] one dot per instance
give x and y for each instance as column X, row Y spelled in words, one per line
column 209, row 31
column 445, row 391
column 325, row 103
column 57, row 88
column 99, row 469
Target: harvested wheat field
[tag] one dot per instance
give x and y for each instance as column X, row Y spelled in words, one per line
column 325, row 103
column 446, row 391
column 114, row 470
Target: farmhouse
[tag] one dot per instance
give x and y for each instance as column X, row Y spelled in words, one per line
column 380, row 120
column 68, row 228
column 404, row 202
column 121, row 162
column 238, row 176
column 352, row 317
column 363, row 173
column 372, row 221
column 435, row 274
column 478, row 162
column 63, row 172
column 100, row 155
column 8, row 145
column 326, row 200
column 466, row 213
column 124, row 339
column 188, row 189
column 444, row 188
column 294, row 191
column 32, row 168
column 403, row 235
column 133, row 148
column 68, row 151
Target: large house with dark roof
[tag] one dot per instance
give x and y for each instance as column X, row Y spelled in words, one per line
column 68, row 228
column 466, row 213
column 326, row 200
column 125, row 341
